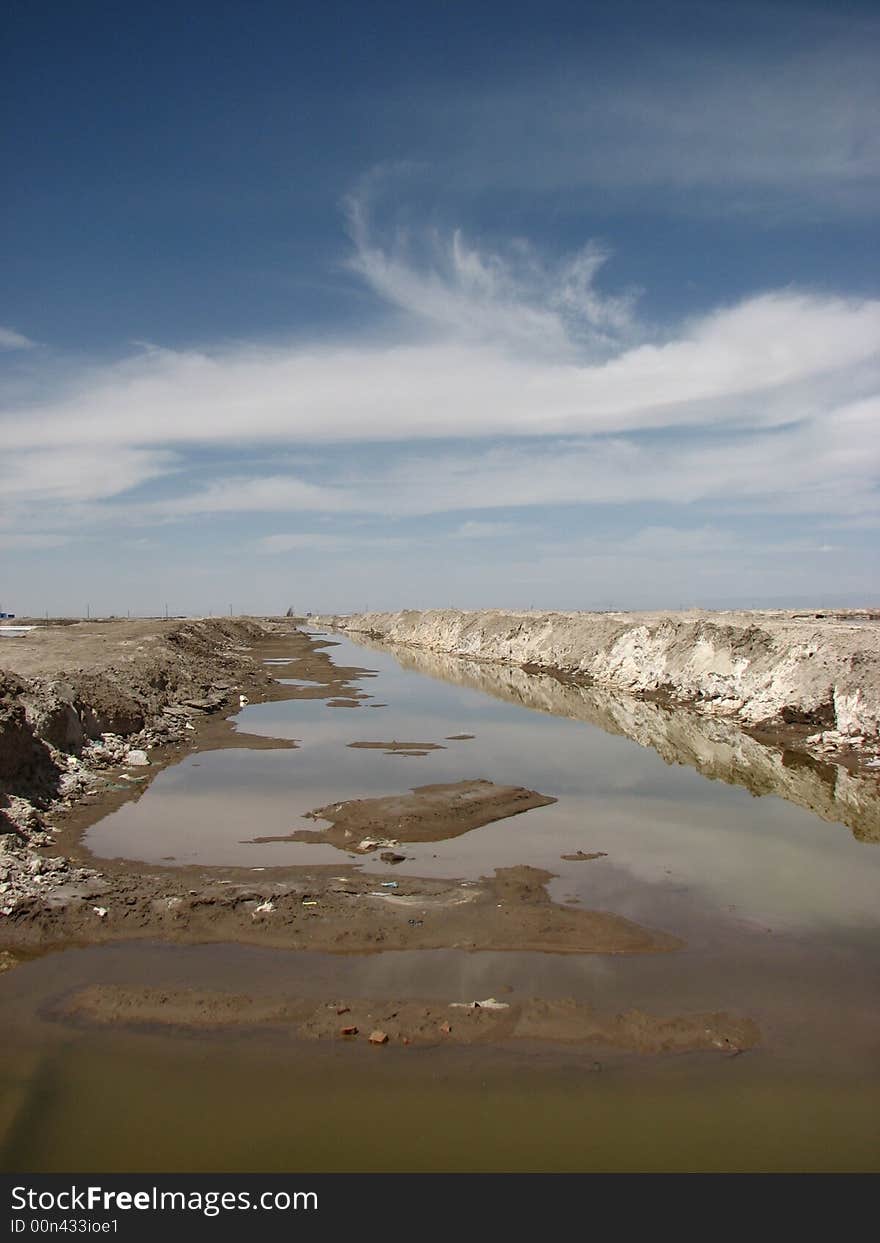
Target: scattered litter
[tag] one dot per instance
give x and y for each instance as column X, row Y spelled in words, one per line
column 137, row 759
column 489, row 1004
column 446, row 1028
column 310, row 902
column 264, row 908
column 373, row 843
column 128, row 777
column 343, row 1009
column 242, row 700
column 415, row 923
column 388, row 884
column 388, row 856
column 378, row 1037
column 100, row 911
column 189, row 725
column 348, row 1031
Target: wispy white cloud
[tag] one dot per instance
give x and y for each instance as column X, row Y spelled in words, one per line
column 78, row 472
column 485, row 530
column 317, row 541
column 768, row 403
column 516, row 300
column 12, row 340
column 732, row 130
column 23, row 541
column 743, row 365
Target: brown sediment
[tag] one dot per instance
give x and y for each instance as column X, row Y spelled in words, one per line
column 415, row 1022
column 324, row 909
column 581, row 856
column 429, row 813
column 407, row 748
column 459, row 737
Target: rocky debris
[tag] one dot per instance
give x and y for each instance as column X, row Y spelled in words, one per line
column 27, row 873
column 772, row 670
column 378, row 1037
column 59, row 734
column 581, row 856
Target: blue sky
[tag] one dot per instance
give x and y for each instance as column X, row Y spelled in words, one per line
column 557, row 304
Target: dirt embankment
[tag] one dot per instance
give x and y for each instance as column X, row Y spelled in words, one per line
column 810, row 679
column 78, row 701
column 719, row 748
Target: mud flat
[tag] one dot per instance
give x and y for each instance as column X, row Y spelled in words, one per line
column 430, row 813
column 414, row 1022
column 320, row 909
column 179, row 684
column 811, row 680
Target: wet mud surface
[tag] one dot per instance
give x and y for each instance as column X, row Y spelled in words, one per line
column 412, row 1021
column 427, row 898
column 430, row 813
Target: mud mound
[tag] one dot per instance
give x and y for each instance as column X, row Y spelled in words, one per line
column 414, row 1022
column 429, row 813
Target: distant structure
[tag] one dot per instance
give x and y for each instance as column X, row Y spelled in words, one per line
column 7, row 616
column 290, row 613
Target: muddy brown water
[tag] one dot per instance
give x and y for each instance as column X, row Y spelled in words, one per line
column 779, row 910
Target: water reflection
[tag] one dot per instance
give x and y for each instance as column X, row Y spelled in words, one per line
column 680, row 852
column 717, row 748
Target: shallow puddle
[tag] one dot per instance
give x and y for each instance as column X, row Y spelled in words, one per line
column 88, row 1098
column 677, row 848
column 778, row 907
